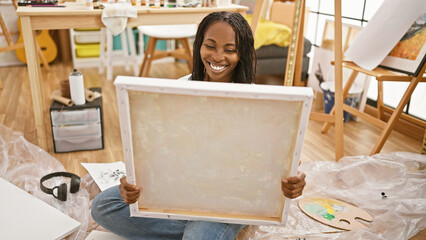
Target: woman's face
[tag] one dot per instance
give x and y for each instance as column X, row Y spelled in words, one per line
column 219, row 52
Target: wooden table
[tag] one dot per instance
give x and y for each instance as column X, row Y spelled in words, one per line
column 66, row 18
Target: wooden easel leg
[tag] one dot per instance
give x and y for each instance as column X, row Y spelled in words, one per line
column 380, row 100
column 256, row 16
column 346, row 89
column 395, row 115
column 297, row 81
column 338, row 75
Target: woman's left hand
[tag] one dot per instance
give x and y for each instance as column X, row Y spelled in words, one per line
column 292, row 187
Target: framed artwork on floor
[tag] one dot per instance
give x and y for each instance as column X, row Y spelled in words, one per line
column 211, row 151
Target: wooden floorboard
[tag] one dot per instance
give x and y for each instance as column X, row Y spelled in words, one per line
column 16, row 113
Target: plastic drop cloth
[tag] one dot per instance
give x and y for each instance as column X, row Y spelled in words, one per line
column 23, row 164
column 357, row 180
column 360, row 181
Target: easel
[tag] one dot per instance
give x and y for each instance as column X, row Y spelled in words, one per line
column 294, row 63
column 381, row 75
column 338, row 94
column 293, row 73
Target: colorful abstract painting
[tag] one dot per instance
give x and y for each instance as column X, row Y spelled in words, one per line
column 411, row 44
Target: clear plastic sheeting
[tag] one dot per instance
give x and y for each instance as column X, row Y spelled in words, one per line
column 356, row 180
column 23, row 164
column 360, row 181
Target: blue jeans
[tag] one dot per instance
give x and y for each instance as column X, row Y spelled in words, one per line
column 112, row 213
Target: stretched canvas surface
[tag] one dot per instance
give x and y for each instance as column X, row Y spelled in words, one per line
column 211, row 151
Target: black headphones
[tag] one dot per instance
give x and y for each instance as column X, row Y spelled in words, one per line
column 62, row 189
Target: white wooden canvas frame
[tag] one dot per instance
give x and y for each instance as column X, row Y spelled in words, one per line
column 298, row 98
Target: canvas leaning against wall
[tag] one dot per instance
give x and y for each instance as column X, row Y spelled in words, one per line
column 211, row 151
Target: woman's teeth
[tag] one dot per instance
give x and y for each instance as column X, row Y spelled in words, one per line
column 217, row 67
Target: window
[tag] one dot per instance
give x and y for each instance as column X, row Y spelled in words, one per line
column 359, row 12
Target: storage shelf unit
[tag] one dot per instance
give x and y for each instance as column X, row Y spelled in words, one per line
column 85, row 48
column 78, row 127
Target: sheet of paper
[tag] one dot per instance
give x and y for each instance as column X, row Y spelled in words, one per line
column 106, row 175
column 383, row 31
column 23, row 216
column 99, row 235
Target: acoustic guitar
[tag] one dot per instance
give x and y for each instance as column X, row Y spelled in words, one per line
column 44, row 41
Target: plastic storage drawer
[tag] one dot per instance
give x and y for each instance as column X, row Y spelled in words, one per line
column 84, row 116
column 88, row 37
column 88, row 130
column 87, row 50
column 78, row 143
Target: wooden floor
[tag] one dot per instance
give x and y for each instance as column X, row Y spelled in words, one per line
column 16, row 113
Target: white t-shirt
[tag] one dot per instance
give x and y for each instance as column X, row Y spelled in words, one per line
column 184, row 78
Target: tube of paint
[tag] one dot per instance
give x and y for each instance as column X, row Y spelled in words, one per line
column 77, row 87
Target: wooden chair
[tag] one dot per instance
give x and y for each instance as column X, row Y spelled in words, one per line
column 381, row 75
column 11, row 46
column 181, row 33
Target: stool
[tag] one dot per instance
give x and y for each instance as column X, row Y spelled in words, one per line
column 106, row 57
column 180, row 33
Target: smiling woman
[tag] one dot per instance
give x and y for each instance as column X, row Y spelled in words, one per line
column 224, row 49
column 223, row 52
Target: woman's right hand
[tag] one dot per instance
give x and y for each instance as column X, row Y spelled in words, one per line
column 129, row 192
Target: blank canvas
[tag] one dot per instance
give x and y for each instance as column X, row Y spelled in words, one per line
column 211, row 151
column 23, row 216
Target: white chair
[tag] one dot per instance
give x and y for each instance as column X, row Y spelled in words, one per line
column 108, row 55
column 181, row 33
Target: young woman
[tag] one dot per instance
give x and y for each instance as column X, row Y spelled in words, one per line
column 223, row 52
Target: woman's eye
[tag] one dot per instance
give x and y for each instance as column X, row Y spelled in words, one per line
column 209, row 46
column 231, row 50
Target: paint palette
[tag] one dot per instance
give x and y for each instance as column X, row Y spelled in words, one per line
column 334, row 213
